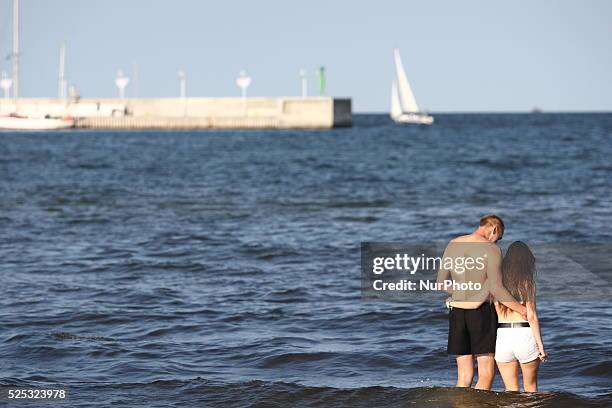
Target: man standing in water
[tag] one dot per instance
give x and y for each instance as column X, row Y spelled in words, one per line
column 473, row 320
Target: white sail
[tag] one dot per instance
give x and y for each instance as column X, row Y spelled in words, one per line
column 396, row 108
column 407, row 101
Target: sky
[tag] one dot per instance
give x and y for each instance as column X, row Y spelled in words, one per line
column 460, row 56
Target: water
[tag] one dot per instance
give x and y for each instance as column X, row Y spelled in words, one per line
column 221, row 268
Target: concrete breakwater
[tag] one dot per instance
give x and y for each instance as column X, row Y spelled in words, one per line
column 190, row 113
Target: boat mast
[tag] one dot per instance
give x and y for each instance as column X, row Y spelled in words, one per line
column 15, row 55
column 61, row 92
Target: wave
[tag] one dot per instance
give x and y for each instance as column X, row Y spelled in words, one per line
column 70, row 336
column 256, row 393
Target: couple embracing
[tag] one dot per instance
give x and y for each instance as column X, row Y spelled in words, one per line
column 497, row 323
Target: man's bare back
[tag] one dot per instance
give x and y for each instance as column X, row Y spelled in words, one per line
column 485, row 259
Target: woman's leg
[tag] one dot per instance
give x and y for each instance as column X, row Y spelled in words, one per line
column 510, row 374
column 465, row 370
column 530, row 375
column 486, row 371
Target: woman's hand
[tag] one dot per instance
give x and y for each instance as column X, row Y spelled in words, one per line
column 543, row 355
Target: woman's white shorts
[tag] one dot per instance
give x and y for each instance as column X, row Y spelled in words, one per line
column 515, row 343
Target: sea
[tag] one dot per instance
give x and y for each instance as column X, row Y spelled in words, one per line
column 221, row 268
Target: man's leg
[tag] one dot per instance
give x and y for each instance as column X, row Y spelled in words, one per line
column 465, row 370
column 510, row 375
column 486, row 371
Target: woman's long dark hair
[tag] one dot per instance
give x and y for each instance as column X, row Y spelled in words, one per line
column 518, row 273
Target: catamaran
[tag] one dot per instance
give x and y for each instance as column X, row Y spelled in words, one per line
column 404, row 108
column 15, row 121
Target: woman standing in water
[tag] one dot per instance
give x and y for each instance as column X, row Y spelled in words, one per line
column 519, row 342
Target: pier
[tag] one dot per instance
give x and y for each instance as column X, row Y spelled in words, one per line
column 190, row 113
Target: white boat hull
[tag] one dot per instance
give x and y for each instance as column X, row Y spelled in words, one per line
column 25, row 123
column 416, row 118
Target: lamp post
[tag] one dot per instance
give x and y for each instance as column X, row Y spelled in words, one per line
column 121, row 82
column 183, row 89
column 243, row 81
column 73, row 92
column 182, row 83
column 15, row 56
column 62, row 91
column 304, row 82
column 5, row 84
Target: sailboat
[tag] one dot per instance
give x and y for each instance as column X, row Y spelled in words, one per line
column 15, row 121
column 404, row 108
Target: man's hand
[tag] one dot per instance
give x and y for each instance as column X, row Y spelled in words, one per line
column 522, row 311
column 448, row 302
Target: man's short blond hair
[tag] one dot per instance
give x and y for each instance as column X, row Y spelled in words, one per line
column 492, row 219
